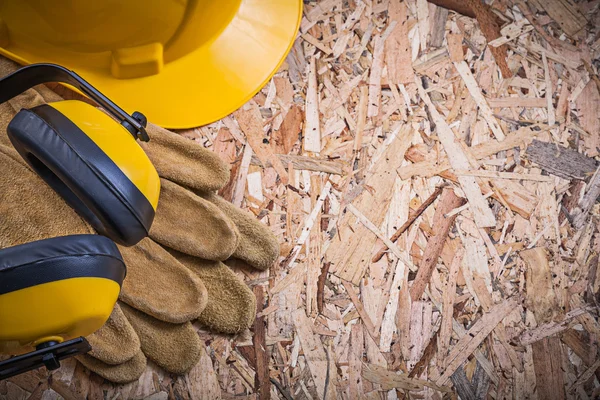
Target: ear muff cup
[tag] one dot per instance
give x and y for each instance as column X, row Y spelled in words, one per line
column 56, row 289
column 60, row 258
column 76, row 168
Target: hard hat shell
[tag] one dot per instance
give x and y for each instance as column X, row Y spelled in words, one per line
column 183, row 63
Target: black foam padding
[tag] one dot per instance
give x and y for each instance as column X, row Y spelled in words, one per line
column 59, row 258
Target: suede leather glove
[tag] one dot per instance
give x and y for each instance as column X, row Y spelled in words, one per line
column 199, row 229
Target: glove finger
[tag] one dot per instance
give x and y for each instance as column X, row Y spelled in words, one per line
column 29, row 209
column 126, row 372
column 190, row 224
column 174, row 347
column 184, row 161
column 116, row 342
column 257, row 246
column 231, row 304
column 159, row 285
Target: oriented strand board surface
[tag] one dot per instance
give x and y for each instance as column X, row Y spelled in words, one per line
column 386, row 288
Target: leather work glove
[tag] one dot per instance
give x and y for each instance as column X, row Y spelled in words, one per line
column 173, row 277
column 30, row 210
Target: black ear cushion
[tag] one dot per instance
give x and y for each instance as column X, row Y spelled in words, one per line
column 59, row 258
column 75, row 167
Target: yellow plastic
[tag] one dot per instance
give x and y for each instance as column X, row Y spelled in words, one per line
column 183, row 63
column 117, row 143
column 59, row 310
column 134, row 62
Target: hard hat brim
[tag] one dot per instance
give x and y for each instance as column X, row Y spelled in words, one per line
column 206, row 84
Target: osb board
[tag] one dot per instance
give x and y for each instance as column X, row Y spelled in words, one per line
column 379, row 104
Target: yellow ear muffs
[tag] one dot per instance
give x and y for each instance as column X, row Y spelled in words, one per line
column 55, row 291
column 52, row 291
column 92, row 161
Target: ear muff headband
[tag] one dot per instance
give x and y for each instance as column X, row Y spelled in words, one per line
column 35, row 74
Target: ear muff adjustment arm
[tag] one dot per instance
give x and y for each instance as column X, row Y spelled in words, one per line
column 48, row 355
column 35, row 74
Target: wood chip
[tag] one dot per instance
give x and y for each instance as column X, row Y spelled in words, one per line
column 560, row 161
column 389, row 380
column 251, row 124
column 457, row 158
column 448, row 201
column 316, row 357
column 312, row 126
column 547, row 359
column 541, row 298
column 465, row 73
column 566, row 13
column 491, row 31
column 349, row 251
column 587, row 202
column 478, row 332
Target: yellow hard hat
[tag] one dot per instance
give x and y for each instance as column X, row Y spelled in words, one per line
column 183, row 63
